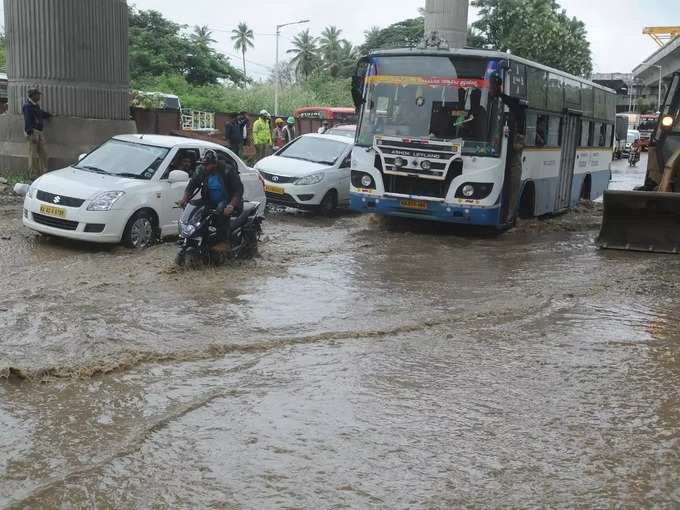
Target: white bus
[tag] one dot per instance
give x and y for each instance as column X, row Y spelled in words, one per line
column 476, row 137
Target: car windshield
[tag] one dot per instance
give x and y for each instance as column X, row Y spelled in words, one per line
column 315, row 149
column 435, row 98
column 124, row 159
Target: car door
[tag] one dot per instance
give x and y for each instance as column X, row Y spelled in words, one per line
column 341, row 176
column 172, row 192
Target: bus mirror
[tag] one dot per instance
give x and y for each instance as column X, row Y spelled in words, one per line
column 496, row 85
column 357, row 92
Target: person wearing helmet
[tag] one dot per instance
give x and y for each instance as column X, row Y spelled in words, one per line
column 278, row 133
column 289, row 131
column 262, row 135
column 34, row 117
column 221, row 189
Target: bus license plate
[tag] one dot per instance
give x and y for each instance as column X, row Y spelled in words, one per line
column 51, row 210
column 413, row 204
column 274, row 189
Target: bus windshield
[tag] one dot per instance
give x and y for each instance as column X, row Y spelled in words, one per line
column 432, row 97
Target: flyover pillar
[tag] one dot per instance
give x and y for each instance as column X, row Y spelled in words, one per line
column 76, row 53
column 448, row 18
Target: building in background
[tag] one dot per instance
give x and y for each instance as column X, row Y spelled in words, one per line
column 627, row 89
column 659, row 66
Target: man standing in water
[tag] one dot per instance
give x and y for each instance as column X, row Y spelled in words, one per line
column 34, row 119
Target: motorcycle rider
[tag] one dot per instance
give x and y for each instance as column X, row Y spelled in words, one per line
column 222, row 190
column 635, row 150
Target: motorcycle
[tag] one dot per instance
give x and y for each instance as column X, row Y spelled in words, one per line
column 198, row 235
column 633, row 157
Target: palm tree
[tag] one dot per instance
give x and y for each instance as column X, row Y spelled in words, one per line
column 305, row 54
column 329, row 46
column 372, row 41
column 243, row 39
column 347, row 58
column 202, row 36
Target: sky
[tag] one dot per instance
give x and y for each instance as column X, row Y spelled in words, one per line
column 614, row 26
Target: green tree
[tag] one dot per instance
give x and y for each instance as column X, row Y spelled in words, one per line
column 538, row 30
column 306, row 56
column 243, row 38
column 404, row 34
column 202, row 36
column 159, row 47
column 330, row 46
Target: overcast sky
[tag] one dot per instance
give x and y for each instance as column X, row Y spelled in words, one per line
column 614, row 26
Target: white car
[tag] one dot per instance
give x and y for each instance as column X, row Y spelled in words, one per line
column 125, row 190
column 312, row 172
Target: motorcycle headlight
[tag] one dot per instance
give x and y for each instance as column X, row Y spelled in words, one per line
column 310, row 179
column 188, row 230
column 105, row 201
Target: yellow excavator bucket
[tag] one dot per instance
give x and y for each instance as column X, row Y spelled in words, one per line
column 641, row 221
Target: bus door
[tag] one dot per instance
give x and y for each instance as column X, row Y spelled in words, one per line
column 570, row 139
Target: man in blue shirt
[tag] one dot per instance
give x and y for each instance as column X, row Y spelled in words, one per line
column 34, row 118
column 221, row 189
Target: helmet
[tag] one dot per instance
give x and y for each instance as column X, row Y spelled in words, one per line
column 264, row 113
column 209, row 157
column 280, row 121
column 291, row 120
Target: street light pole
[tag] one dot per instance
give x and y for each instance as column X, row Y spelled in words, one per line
column 660, row 79
column 276, row 69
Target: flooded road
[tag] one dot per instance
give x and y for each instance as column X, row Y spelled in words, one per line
column 355, row 364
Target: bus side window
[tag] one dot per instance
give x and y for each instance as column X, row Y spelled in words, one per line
column 603, row 135
column 591, row 138
column 554, row 131
column 585, row 133
column 541, row 130
column 610, row 135
column 598, row 138
column 530, row 129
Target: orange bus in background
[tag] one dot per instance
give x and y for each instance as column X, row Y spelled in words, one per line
column 310, row 118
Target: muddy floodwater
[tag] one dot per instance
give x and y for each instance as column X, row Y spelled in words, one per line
column 357, row 363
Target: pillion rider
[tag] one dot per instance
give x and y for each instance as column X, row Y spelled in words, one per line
column 222, row 190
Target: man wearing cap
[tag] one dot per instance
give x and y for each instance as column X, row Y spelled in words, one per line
column 262, row 135
column 289, row 130
column 34, row 119
column 222, row 190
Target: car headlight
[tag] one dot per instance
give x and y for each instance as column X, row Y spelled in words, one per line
column 31, row 191
column 310, row 179
column 105, row 201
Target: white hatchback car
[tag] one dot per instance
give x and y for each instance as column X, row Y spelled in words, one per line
column 312, row 172
column 125, row 190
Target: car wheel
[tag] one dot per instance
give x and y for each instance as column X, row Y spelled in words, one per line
column 140, row 231
column 329, row 203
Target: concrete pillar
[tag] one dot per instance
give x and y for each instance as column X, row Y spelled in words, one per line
column 449, row 19
column 76, row 53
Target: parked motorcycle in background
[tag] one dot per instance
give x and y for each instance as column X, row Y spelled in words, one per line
column 198, row 235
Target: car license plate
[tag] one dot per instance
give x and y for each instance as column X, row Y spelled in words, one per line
column 274, row 189
column 51, row 210
column 413, row 204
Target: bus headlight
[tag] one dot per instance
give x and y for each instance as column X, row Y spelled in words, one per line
column 366, row 181
column 667, row 121
column 468, row 190
column 400, row 162
column 426, row 165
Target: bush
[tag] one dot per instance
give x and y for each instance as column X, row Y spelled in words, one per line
column 318, row 91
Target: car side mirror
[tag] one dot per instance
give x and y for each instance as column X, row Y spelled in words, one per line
column 178, row 176
column 82, row 156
